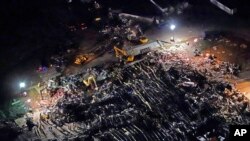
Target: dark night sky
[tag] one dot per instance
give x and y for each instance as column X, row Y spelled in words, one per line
column 29, row 28
column 39, row 26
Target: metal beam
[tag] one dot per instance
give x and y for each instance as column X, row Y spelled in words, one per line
column 223, row 7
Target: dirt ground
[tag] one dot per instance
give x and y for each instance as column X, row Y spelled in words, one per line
column 233, row 51
column 228, row 49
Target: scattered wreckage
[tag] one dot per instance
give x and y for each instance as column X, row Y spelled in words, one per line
column 163, row 97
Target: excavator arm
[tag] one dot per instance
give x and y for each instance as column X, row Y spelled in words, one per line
column 123, row 53
column 90, row 80
column 119, row 52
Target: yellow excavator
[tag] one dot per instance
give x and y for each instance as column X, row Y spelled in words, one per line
column 80, row 59
column 89, row 81
column 123, row 53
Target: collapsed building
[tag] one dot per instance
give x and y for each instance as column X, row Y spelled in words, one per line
column 163, row 97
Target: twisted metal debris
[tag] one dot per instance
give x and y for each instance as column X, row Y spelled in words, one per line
column 160, row 98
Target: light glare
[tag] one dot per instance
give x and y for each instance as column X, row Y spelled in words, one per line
column 22, row 85
column 172, row 27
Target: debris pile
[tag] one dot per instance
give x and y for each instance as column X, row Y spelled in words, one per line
column 9, row 129
column 164, row 97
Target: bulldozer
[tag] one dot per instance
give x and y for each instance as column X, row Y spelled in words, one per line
column 80, row 59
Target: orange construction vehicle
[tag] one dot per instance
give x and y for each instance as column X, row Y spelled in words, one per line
column 80, row 59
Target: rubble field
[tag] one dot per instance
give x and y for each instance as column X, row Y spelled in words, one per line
column 166, row 96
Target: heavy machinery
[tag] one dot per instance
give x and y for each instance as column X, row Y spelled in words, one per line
column 130, row 52
column 122, row 53
column 90, row 81
column 138, row 40
column 80, row 59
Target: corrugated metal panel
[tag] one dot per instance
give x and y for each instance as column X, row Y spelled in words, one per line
column 140, row 49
